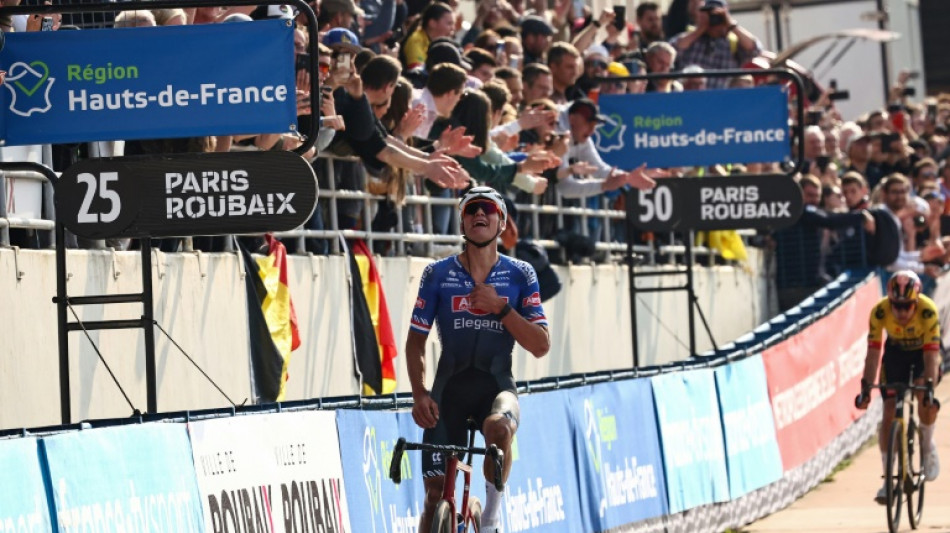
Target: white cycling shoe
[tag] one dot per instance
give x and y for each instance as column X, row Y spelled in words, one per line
column 931, row 464
column 881, row 496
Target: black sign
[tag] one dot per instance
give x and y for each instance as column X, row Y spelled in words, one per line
column 186, row 194
column 716, row 203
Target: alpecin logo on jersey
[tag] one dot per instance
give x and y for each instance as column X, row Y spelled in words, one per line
column 461, row 304
column 531, row 301
column 420, row 303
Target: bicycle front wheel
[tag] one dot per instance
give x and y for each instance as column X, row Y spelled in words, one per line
column 473, row 522
column 443, row 521
column 914, row 484
column 894, row 478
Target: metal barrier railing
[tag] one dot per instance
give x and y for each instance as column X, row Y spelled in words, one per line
column 665, row 250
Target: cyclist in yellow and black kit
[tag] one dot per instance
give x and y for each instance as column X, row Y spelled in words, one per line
column 913, row 340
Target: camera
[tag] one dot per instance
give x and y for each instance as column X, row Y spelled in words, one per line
column 717, row 19
column 302, row 62
column 920, row 221
column 839, row 95
column 909, row 91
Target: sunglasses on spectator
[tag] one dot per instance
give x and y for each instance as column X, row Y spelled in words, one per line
column 929, row 174
column 324, row 68
column 598, row 63
column 489, row 208
column 902, row 306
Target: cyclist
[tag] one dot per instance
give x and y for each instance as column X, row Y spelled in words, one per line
column 482, row 302
column 913, row 339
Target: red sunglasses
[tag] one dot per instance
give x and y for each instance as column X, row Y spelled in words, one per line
column 487, row 207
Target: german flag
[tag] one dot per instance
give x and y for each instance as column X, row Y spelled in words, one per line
column 374, row 342
column 272, row 322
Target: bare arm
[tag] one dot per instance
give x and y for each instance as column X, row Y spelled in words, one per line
column 870, row 364
column 425, row 411
column 932, row 365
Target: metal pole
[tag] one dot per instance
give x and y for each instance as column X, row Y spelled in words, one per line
column 690, row 294
column 631, row 279
column 62, row 333
column 885, row 67
column 148, row 316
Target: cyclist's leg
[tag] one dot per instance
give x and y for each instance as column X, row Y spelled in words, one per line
column 893, row 369
column 446, row 431
column 499, row 429
column 928, row 418
column 499, row 424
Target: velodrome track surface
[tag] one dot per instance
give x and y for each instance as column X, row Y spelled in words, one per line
column 846, row 505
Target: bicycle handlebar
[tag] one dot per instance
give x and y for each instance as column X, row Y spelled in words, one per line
column 900, row 388
column 497, row 456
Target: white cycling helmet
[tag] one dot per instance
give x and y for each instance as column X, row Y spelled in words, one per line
column 491, row 195
column 484, row 193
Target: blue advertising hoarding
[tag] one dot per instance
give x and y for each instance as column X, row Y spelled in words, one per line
column 147, row 83
column 691, row 436
column 752, row 453
column 23, row 502
column 618, row 454
column 132, row 478
column 367, row 439
column 694, row 128
column 542, row 491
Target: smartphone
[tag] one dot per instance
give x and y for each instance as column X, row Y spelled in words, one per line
column 909, row 91
column 813, row 118
column 839, row 95
column 897, row 120
column 932, row 113
column 822, row 162
column 47, row 24
column 620, row 18
column 716, row 19
column 913, row 75
column 343, row 62
column 887, row 140
column 303, row 61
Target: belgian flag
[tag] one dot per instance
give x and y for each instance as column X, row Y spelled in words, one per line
column 374, row 343
column 272, row 322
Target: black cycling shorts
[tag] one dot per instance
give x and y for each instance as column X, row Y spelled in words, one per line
column 469, row 394
column 895, row 366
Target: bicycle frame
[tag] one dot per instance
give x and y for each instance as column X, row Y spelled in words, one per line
column 909, row 481
column 452, row 467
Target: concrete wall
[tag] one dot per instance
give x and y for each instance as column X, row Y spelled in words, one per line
column 200, row 302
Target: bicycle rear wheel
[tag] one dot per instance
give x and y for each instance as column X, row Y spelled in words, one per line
column 894, row 477
column 443, row 521
column 475, row 513
column 915, row 477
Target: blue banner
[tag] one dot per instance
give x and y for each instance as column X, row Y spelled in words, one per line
column 23, row 502
column 694, row 128
column 691, row 435
column 377, row 505
column 132, row 478
column 542, row 490
column 752, row 453
column 147, row 83
column 619, row 457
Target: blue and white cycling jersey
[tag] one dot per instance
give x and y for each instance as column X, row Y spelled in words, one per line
column 473, row 337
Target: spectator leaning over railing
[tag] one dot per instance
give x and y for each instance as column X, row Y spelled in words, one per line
column 582, row 172
column 717, row 42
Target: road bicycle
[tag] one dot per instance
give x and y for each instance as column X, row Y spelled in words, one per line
column 904, row 475
column 446, row 518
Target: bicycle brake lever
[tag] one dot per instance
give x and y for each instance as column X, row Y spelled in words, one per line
column 395, row 467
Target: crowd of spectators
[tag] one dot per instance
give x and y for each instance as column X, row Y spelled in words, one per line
column 417, row 101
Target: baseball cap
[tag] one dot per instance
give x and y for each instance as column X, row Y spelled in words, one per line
column 713, row 4
column 618, row 69
column 857, row 137
column 280, row 12
column 339, row 6
column 597, row 50
column 587, row 109
column 445, row 52
column 342, row 37
column 533, row 25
